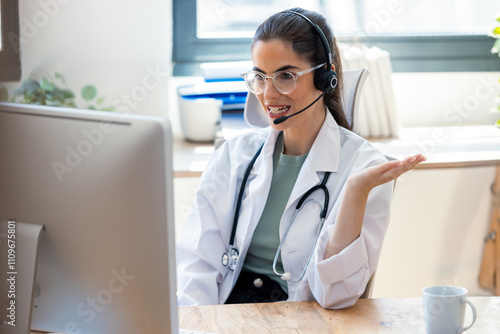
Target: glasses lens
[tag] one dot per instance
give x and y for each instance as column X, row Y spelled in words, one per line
column 285, row 82
column 255, row 82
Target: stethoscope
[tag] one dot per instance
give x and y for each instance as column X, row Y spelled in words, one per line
column 230, row 258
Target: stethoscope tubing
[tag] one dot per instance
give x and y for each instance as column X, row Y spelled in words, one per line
column 230, row 258
column 240, row 197
column 313, row 189
column 278, row 251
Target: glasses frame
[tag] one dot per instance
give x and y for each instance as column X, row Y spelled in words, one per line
column 295, row 76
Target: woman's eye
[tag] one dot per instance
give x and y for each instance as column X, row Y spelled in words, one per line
column 258, row 78
column 285, row 76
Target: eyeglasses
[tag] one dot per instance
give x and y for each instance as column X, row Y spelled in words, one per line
column 284, row 81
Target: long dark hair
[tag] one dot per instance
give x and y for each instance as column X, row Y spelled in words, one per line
column 305, row 41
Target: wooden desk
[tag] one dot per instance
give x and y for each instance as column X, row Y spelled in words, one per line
column 366, row 316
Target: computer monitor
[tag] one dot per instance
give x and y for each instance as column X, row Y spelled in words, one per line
column 101, row 185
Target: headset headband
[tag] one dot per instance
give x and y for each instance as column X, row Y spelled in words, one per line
column 321, row 35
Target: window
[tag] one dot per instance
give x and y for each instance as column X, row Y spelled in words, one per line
column 422, row 36
column 10, row 60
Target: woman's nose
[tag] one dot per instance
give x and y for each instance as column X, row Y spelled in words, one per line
column 270, row 91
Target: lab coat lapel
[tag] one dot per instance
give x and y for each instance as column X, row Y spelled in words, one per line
column 323, row 157
column 259, row 183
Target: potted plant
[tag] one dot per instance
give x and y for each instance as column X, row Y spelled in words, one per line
column 53, row 91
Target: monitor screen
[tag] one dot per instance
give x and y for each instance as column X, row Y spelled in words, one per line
column 101, row 185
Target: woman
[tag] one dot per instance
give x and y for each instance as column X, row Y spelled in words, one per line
column 297, row 153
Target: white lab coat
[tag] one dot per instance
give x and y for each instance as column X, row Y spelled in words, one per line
column 336, row 282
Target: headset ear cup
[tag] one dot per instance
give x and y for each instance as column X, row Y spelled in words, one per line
column 319, row 81
column 332, row 81
column 325, row 80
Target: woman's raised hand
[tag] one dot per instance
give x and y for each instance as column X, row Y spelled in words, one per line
column 352, row 209
column 368, row 178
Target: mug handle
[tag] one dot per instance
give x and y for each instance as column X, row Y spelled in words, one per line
column 473, row 308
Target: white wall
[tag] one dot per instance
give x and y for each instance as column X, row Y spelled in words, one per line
column 439, row 219
column 123, row 47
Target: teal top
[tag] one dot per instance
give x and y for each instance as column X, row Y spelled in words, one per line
column 266, row 239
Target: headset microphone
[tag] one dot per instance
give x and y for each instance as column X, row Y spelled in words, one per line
column 281, row 119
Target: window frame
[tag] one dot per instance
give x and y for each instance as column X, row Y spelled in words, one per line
column 409, row 53
column 10, row 59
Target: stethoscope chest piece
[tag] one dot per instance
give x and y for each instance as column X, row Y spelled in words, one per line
column 229, row 259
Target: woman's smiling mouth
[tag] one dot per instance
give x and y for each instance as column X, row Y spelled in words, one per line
column 277, row 111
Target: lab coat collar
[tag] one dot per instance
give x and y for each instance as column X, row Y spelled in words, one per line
column 323, row 157
column 324, row 154
column 267, row 150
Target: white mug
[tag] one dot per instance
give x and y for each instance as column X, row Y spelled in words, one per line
column 444, row 309
column 200, row 118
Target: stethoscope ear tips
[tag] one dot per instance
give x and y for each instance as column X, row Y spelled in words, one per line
column 286, row 276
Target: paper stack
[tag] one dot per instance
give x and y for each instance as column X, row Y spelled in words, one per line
column 377, row 116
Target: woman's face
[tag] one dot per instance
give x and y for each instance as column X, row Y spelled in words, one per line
column 275, row 55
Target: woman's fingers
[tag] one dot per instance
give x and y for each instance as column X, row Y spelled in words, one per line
column 386, row 172
column 403, row 166
column 414, row 160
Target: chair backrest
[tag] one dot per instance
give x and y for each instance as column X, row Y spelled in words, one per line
column 353, row 83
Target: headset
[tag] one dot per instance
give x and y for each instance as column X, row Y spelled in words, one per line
column 325, row 79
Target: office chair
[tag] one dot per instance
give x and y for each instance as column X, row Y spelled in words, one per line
column 353, row 83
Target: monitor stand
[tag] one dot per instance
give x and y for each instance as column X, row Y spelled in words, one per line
column 18, row 260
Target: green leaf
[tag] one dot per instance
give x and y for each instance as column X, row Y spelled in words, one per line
column 498, row 124
column 27, row 87
column 68, row 94
column 100, row 100
column 60, row 77
column 46, row 85
column 498, row 19
column 496, row 32
column 30, row 98
column 54, row 103
column 58, row 95
column 496, row 46
column 4, row 94
column 89, row 92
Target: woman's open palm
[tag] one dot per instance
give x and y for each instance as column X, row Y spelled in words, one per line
column 371, row 177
